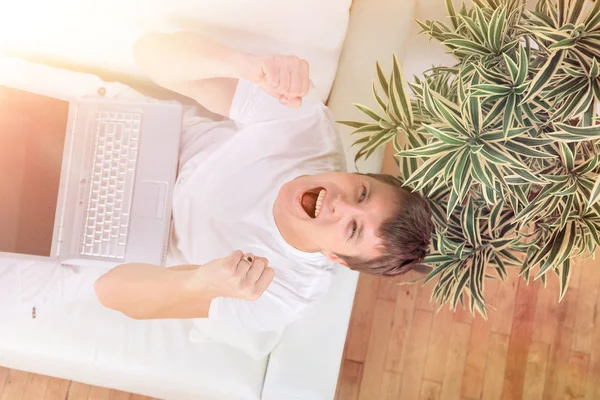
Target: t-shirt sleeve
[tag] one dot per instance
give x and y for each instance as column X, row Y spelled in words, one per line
column 268, row 313
column 252, row 105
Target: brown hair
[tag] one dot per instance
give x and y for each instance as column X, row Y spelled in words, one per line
column 406, row 235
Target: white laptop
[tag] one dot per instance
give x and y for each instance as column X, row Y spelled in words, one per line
column 86, row 181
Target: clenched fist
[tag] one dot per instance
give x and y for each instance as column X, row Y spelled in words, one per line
column 239, row 275
column 284, row 77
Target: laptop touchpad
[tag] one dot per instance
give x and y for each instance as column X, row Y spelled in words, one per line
column 151, row 199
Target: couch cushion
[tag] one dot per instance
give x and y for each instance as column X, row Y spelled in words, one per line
column 86, row 342
column 92, row 34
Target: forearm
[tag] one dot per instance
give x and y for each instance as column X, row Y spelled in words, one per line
column 184, row 57
column 144, row 291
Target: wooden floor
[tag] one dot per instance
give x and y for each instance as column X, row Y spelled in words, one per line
column 18, row 385
column 531, row 347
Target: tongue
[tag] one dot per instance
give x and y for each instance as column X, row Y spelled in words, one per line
column 309, row 203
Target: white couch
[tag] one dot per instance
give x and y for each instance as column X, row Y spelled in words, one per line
column 87, row 343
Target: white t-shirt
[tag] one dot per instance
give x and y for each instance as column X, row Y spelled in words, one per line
column 231, row 172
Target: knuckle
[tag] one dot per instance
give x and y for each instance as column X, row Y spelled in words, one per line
column 269, row 273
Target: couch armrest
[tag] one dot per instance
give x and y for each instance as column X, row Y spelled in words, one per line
column 305, row 365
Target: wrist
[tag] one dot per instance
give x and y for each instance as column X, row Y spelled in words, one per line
column 195, row 285
column 246, row 66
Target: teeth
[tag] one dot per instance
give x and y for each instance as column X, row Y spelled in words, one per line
column 319, row 203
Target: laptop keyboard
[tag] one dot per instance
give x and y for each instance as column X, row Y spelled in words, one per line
column 106, row 225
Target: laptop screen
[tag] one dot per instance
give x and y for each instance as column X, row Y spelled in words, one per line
column 32, row 138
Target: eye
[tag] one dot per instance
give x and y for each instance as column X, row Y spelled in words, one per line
column 354, row 227
column 363, row 194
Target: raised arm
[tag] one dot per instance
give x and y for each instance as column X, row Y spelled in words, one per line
column 145, row 291
column 207, row 71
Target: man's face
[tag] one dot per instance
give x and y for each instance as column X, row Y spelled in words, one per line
column 335, row 213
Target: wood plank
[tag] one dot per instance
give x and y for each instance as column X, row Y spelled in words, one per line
column 455, row 363
column 403, row 316
column 546, row 311
column 3, row 377
column 36, row 387
column 57, row 389
column 576, row 274
column 141, row 397
column 507, row 294
column 437, row 351
column 383, row 318
column 424, row 295
column 390, row 386
column 14, row 387
column 99, row 393
column 592, row 391
column 118, row 395
column 495, row 367
column 577, row 377
column 585, row 319
column 78, row 391
column 431, row 390
column 463, row 315
column 415, row 355
column 361, row 320
column 388, row 288
column 560, row 350
column 472, row 383
column 535, row 372
column 520, row 339
column 349, row 380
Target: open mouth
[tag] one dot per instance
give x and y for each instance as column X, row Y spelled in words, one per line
column 312, row 201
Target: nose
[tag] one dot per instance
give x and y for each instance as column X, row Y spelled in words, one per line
column 342, row 207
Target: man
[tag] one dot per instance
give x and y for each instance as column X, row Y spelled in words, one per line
column 268, row 182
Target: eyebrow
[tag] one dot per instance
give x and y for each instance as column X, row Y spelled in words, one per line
column 362, row 225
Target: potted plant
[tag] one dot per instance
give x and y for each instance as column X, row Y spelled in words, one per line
column 504, row 143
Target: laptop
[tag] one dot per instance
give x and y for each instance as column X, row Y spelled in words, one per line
column 86, row 181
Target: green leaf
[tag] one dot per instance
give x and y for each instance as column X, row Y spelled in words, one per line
column 462, row 169
column 452, row 14
column 444, row 137
column 367, row 128
column 523, row 67
column 567, row 156
column 544, row 75
column 590, row 131
column 518, row 148
column 557, row 244
column 528, row 176
column 355, row 124
column 480, row 172
column 382, row 79
column 467, row 45
column 434, row 149
column 488, row 89
column 595, row 196
column 379, row 100
column 399, row 95
column 564, row 276
column 496, row 28
column 468, row 223
column 501, row 244
column 509, row 114
column 593, row 18
column 369, row 112
column 473, row 27
column 512, row 67
column 438, row 258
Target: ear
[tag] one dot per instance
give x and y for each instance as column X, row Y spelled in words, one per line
column 335, row 258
